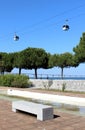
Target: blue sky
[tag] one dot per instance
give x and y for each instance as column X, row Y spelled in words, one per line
column 39, row 23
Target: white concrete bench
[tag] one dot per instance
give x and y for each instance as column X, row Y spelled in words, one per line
column 43, row 112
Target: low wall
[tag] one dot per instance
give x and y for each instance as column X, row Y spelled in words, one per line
column 48, row 97
column 64, row 85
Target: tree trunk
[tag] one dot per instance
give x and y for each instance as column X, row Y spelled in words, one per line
column 61, row 73
column 35, row 73
column 19, row 71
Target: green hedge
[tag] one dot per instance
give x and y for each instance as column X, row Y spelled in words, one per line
column 14, row 80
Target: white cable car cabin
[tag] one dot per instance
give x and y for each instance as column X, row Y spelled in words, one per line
column 65, row 27
column 16, row 38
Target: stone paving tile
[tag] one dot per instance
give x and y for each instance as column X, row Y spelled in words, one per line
column 23, row 121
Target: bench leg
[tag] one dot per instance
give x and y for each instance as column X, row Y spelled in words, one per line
column 14, row 110
column 45, row 114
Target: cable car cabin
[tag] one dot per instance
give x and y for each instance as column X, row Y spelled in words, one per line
column 65, row 27
column 16, row 38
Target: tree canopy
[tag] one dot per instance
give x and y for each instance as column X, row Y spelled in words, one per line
column 36, row 58
column 64, row 60
column 32, row 58
column 79, row 50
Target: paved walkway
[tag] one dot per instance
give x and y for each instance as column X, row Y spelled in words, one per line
column 23, row 121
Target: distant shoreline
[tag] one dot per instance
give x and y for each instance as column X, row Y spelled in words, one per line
column 59, row 78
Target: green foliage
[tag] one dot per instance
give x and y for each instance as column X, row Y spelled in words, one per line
column 12, row 80
column 47, row 84
column 5, row 80
column 52, row 60
column 63, row 87
column 63, row 61
column 20, row 81
column 34, row 58
column 6, row 62
column 80, row 49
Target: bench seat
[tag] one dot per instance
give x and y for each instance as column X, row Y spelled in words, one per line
column 43, row 112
